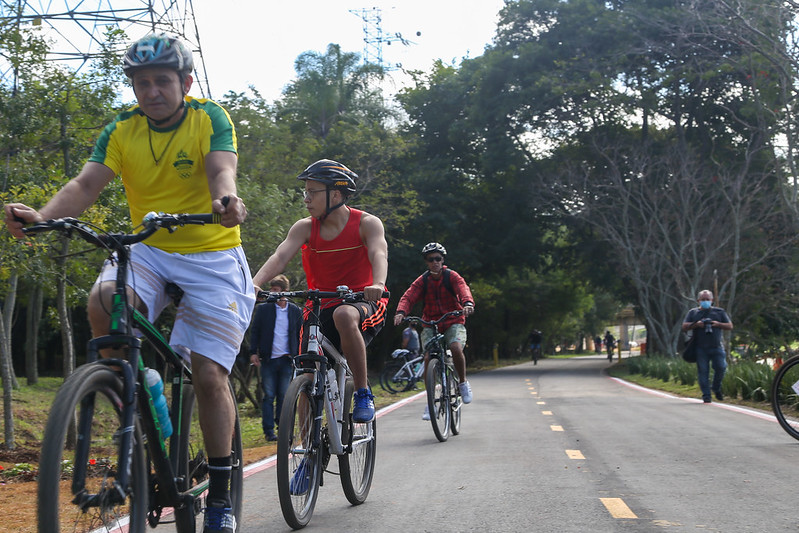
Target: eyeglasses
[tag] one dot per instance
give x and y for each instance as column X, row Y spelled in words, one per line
column 308, row 194
column 437, row 259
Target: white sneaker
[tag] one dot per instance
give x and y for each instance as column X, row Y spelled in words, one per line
column 426, row 414
column 466, row 392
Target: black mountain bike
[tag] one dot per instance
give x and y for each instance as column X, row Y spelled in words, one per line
column 316, row 420
column 103, row 435
column 441, row 381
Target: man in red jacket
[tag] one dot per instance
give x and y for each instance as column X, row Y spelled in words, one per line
column 441, row 290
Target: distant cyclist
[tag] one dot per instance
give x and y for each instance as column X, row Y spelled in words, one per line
column 610, row 344
column 340, row 246
column 441, row 290
column 534, row 340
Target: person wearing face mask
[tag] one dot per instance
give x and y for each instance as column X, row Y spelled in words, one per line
column 707, row 322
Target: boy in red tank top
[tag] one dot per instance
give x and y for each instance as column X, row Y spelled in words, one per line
column 340, row 246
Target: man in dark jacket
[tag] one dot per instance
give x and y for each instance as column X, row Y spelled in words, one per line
column 707, row 322
column 274, row 339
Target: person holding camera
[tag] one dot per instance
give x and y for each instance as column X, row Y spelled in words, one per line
column 707, row 323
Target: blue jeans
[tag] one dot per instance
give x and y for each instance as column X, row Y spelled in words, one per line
column 704, row 357
column 275, row 375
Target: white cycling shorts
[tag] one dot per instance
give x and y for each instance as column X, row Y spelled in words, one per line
column 218, row 297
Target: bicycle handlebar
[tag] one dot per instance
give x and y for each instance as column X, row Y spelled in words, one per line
column 151, row 223
column 459, row 312
column 342, row 291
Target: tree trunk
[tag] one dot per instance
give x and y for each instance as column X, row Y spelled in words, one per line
column 67, row 334
column 34, row 316
column 6, row 323
column 8, row 414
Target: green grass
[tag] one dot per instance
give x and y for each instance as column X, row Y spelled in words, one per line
column 745, row 383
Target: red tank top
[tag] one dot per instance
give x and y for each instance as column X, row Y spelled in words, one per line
column 341, row 261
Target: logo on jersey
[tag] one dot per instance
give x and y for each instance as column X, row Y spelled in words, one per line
column 184, row 165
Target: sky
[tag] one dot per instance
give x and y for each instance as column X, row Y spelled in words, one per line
column 255, row 42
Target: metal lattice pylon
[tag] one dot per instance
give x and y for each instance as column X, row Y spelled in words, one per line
column 77, row 28
column 374, row 38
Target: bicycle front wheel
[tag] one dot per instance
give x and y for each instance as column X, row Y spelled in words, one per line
column 357, row 467
column 396, row 377
column 785, row 396
column 299, row 462
column 84, row 470
column 455, row 401
column 192, row 468
column 437, row 399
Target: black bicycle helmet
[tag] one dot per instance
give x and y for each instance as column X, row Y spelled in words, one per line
column 332, row 174
column 158, row 51
column 433, row 247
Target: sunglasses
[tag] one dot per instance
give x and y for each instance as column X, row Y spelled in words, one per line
column 437, row 259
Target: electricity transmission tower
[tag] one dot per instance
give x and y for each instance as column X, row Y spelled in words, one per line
column 374, row 38
column 77, row 28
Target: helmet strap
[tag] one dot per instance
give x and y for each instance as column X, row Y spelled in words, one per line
column 328, row 208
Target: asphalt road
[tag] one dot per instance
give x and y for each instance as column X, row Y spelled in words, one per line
column 562, row 447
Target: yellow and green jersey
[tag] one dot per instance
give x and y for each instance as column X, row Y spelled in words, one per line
column 163, row 170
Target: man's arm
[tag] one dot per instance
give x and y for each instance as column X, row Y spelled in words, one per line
column 298, row 235
column 374, row 237
column 463, row 291
column 408, row 299
column 73, row 199
column 220, row 169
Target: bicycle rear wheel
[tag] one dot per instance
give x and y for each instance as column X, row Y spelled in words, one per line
column 785, row 396
column 455, row 402
column 437, row 401
column 86, row 471
column 192, row 467
column 299, row 462
column 357, row 467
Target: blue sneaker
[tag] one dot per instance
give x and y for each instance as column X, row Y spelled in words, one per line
column 301, row 479
column 219, row 519
column 364, row 410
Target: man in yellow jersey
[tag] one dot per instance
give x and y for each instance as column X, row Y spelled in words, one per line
column 175, row 154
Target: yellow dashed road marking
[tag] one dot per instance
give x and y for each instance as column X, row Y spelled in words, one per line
column 617, row 508
column 575, row 454
column 546, row 413
column 556, row 428
column 541, row 403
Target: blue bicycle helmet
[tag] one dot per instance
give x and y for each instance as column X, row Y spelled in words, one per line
column 158, row 51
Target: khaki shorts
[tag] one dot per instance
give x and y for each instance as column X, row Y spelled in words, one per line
column 455, row 333
column 218, row 297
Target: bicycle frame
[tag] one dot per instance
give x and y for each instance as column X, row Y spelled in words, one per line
column 136, row 396
column 124, row 317
column 320, row 351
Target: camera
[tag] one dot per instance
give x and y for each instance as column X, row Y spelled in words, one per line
column 707, row 322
